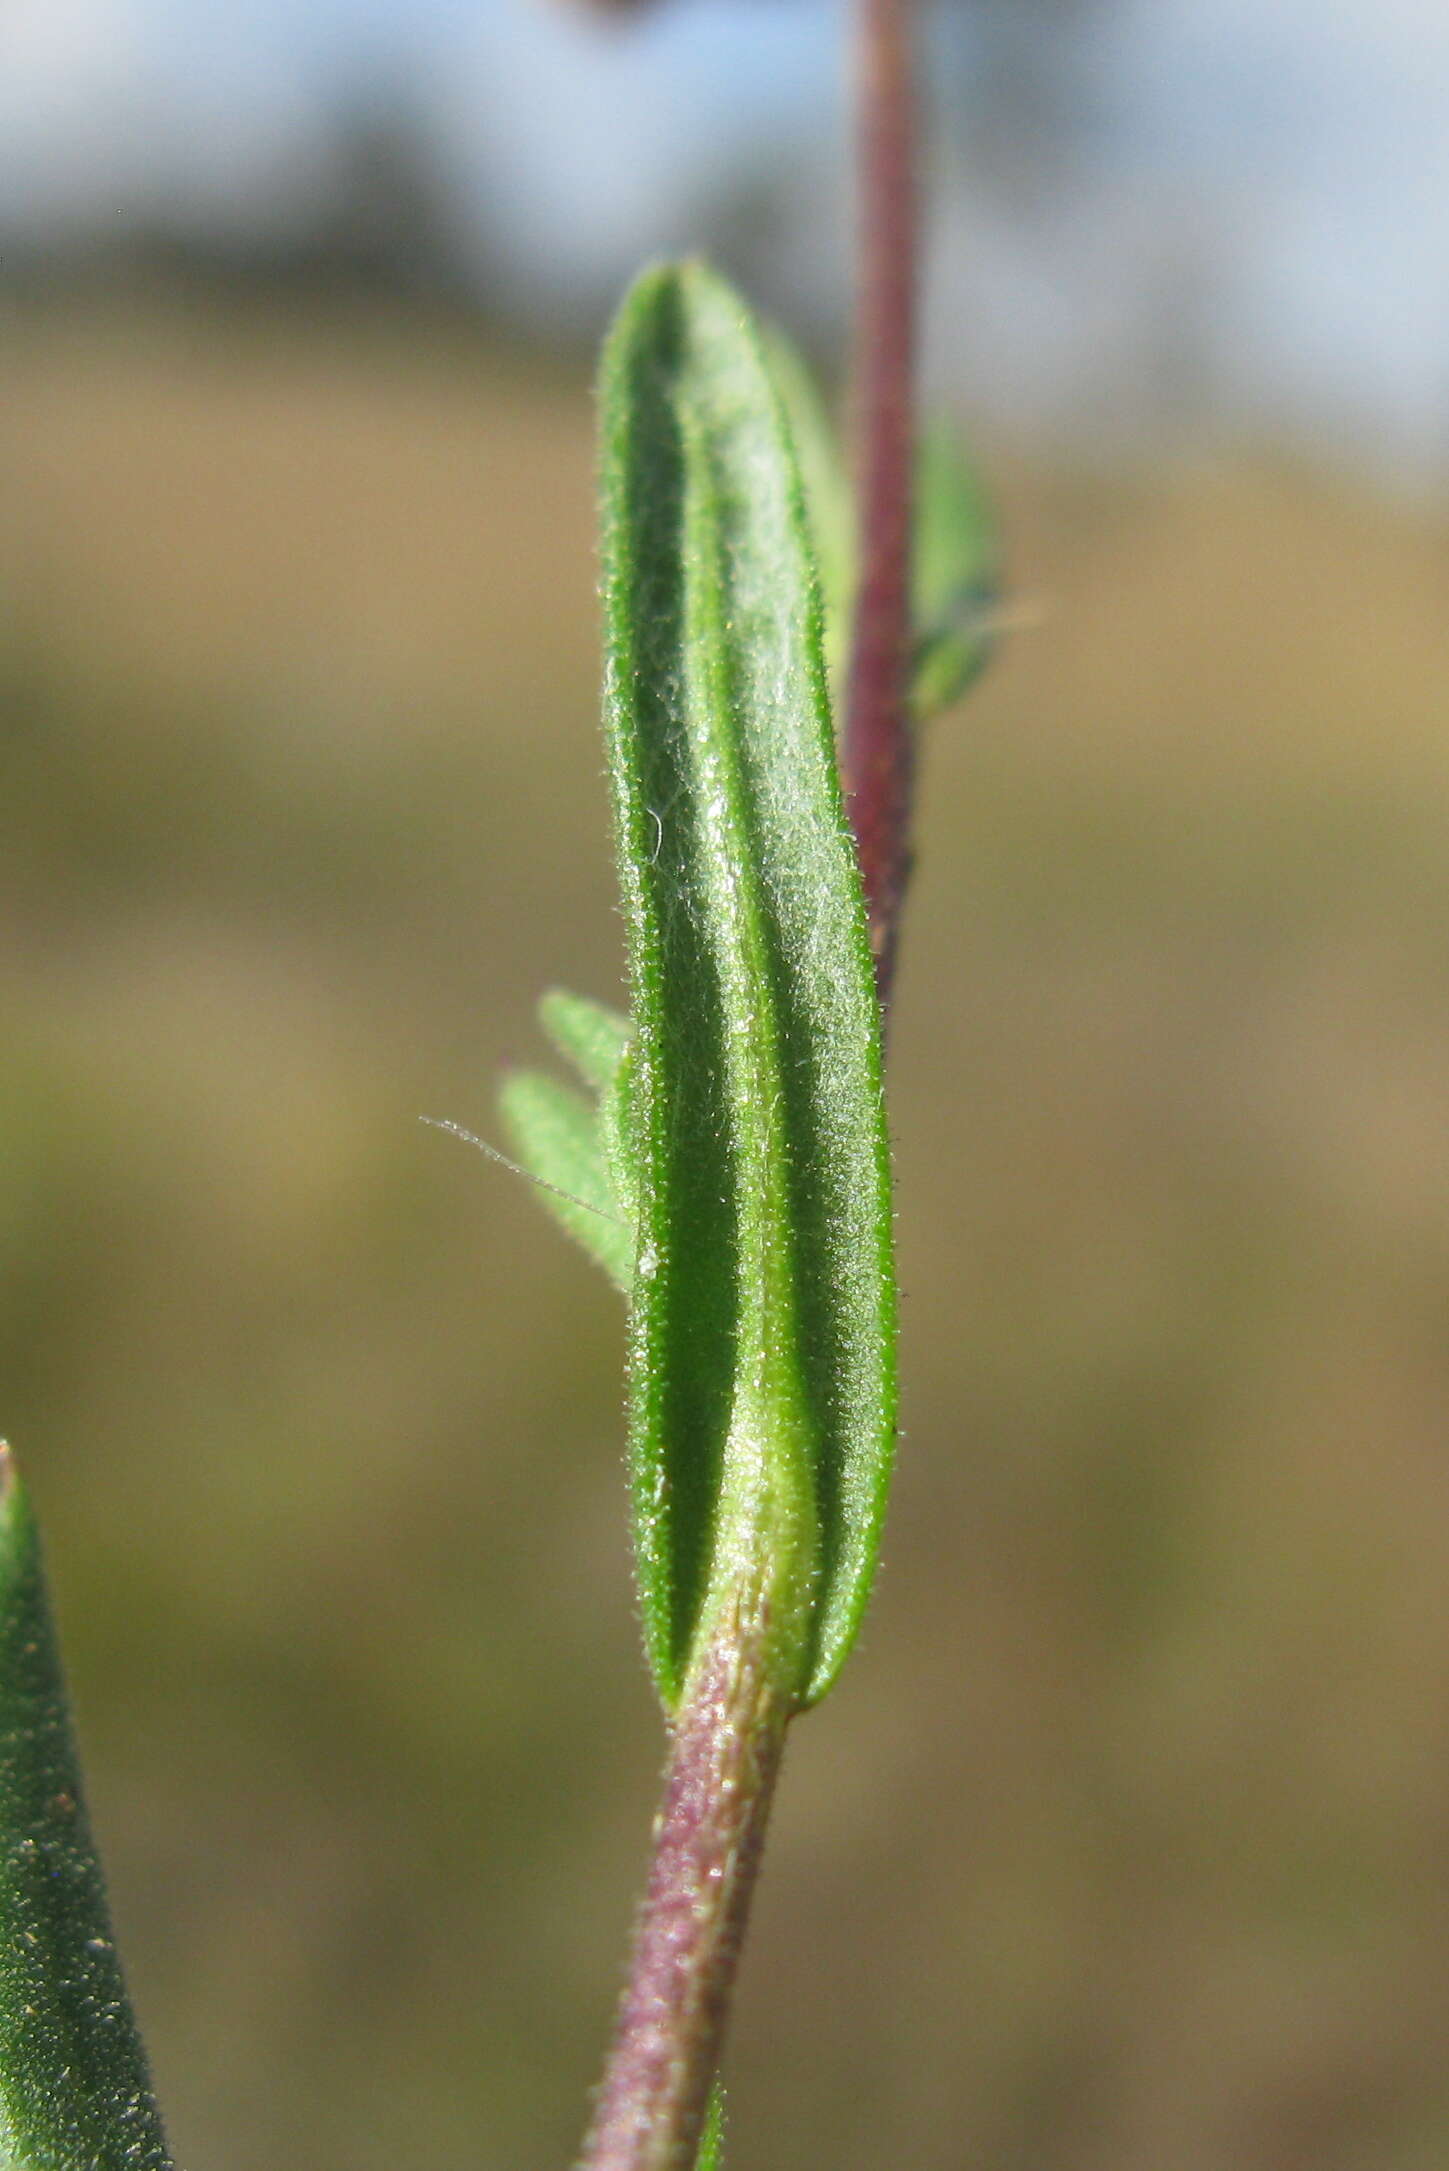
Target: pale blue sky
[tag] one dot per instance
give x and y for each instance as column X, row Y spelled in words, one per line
column 1280, row 166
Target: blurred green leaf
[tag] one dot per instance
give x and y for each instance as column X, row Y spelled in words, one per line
column 956, row 571
column 593, row 1038
column 75, row 2094
column 558, row 1137
column 598, row 1042
column 762, row 1362
column 956, row 550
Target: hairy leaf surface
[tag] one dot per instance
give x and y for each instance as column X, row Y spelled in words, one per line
column 762, row 1362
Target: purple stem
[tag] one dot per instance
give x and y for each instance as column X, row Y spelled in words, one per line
column 718, row 1785
column 878, row 755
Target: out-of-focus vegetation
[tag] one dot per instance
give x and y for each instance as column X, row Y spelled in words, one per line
column 302, row 800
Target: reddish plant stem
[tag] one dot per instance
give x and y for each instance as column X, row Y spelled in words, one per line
column 718, row 1786
column 878, row 753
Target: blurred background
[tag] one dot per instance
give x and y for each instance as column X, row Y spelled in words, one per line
column 1122, row 1844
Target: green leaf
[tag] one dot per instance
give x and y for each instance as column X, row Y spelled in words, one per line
column 762, row 1346
column 711, row 2141
column 616, row 1137
column 956, row 575
column 558, row 1138
column 955, row 547
column 576, row 1148
column 74, row 2090
column 593, row 1038
column 829, row 508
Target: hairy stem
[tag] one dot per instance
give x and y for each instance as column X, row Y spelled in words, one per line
column 719, row 1781
column 878, row 751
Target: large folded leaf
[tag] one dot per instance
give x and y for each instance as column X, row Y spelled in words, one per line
column 762, row 1366
column 74, row 2090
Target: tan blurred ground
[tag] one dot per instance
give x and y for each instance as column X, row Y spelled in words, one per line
column 1123, row 1846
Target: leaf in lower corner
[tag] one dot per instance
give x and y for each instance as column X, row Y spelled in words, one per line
column 75, row 2094
column 711, row 2141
